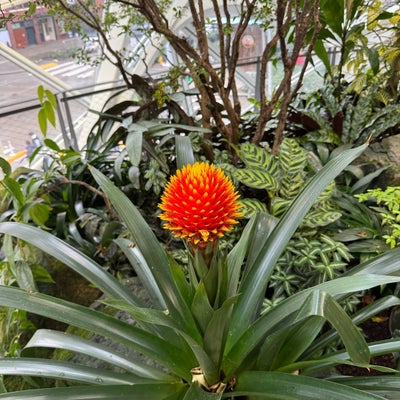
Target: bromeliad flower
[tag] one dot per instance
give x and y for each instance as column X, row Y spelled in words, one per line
column 199, row 204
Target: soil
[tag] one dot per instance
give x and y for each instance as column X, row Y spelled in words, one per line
column 72, row 287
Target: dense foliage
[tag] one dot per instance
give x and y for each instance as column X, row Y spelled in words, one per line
column 269, row 309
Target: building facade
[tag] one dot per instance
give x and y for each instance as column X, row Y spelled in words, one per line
column 23, row 31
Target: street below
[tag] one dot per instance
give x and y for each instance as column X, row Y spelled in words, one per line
column 19, row 90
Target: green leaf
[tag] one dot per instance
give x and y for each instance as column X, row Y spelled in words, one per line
column 15, row 189
column 321, row 52
column 215, row 332
column 163, row 319
column 61, row 340
column 184, row 287
column 42, row 121
column 292, row 157
column 322, row 304
column 201, row 308
column 134, row 140
column 52, row 99
column 279, row 206
column 249, row 207
column 237, row 255
column 51, row 144
column 256, row 178
column 386, row 386
column 184, row 151
column 333, row 10
column 373, row 57
column 143, row 271
column 64, row 370
column 312, row 366
column 275, row 385
column 288, row 344
column 264, row 226
column 155, row 391
column 71, row 257
column 24, row 276
column 40, row 93
column 383, row 264
column 148, row 315
column 255, row 156
column 39, row 212
column 49, row 110
column 5, row 166
column 321, row 218
column 40, row 274
column 360, row 316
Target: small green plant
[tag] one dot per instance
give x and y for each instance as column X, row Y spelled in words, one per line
column 388, row 206
column 48, row 105
column 324, row 121
column 279, row 179
column 310, row 262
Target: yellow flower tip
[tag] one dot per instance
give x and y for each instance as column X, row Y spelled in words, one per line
column 200, row 204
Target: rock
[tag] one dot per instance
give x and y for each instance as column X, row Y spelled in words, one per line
column 385, row 153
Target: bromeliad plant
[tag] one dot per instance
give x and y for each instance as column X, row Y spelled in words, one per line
column 204, row 337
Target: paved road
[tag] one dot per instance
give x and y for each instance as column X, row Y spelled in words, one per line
column 19, row 88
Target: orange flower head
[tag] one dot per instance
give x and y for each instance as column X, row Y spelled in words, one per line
column 199, row 204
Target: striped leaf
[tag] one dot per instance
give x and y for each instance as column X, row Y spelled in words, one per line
column 327, row 193
column 256, row 178
column 291, row 185
column 279, row 206
column 255, row 156
column 252, row 206
column 320, row 218
column 292, row 157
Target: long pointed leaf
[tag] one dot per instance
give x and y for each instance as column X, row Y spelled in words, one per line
column 293, row 340
column 339, row 357
column 160, row 318
column 71, row 257
column 184, row 151
column 61, row 340
column 150, row 248
column 275, row 385
column 286, row 345
column 275, row 318
column 322, row 304
column 255, row 231
column 158, row 391
column 165, row 353
column 387, row 386
column 360, row 316
column 142, row 271
column 65, row 370
column 383, row 264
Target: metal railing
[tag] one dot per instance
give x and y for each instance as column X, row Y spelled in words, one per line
column 68, row 125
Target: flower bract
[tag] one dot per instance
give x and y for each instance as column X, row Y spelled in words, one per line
column 199, row 204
